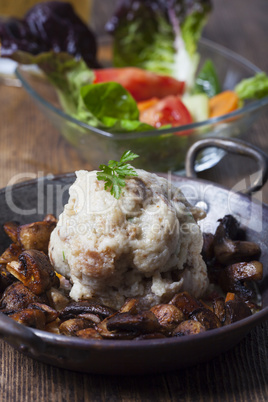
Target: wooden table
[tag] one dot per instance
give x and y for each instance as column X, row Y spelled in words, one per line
column 30, row 146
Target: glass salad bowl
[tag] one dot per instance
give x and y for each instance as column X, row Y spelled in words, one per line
column 160, row 150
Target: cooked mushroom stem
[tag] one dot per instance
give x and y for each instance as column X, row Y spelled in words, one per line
column 186, row 303
column 17, row 297
column 30, row 318
column 188, row 327
column 251, row 271
column 168, row 315
column 34, row 271
column 206, row 317
column 228, row 251
column 144, row 322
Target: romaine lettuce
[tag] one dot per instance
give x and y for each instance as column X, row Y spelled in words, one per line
column 159, row 35
column 253, row 88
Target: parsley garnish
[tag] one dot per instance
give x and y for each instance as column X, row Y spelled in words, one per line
column 115, row 173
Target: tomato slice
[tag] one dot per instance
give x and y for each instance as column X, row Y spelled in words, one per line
column 169, row 110
column 140, row 83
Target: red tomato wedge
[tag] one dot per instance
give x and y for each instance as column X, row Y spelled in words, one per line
column 140, row 83
column 169, row 110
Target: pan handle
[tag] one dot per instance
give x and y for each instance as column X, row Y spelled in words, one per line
column 20, row 336
column 234, row 146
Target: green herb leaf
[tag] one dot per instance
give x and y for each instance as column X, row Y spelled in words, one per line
column 115, row 173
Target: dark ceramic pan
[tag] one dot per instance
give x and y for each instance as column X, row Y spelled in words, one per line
column 147, row 356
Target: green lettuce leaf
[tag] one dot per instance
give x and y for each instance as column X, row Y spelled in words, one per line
column 109, row 106
column 159, row 36
column 253, row 88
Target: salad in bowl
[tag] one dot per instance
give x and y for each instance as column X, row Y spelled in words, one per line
column 163, row 90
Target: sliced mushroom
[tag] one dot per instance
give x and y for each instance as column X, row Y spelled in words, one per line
column 17, row 297
column 36, row 235
column 227, row 250
column 34, row 271
column 130, row 306
column 88, row 333
column 70, row 327
column 106, row 334
column 31, row 318
column 50, row 313
column 235, row 311
column 144, row 322
column 188, row 327
column 57, row 299
column 236, row 278
column 90, row 317
column 186, row 303
column 12, row 253
column 83, row 307
column 251, row 271
column 168, row 315
column 206, row 317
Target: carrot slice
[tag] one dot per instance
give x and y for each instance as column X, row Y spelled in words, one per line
column 229, row 296
column 223, row 103
column 146, row 104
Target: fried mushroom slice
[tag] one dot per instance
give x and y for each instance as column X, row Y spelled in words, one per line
column 12, row 253
column 31, row 318
column 36, row 235
column 34, row 271
column 189, row 327
column 130, row 306
column 49, row 312
column 85, row 307
column 236, row 310
column 237, row 278
column 144, row 322
column 17, row 297
column 168, row 316
column 70, row 327
column 57, row 299
column 106, row 334
column 206, row 317
column 88, row 333
column 186, row 303
column 250, row 271
column 227, row 250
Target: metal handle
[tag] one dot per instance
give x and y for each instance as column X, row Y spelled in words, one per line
column 234, row 146
column 20, row 336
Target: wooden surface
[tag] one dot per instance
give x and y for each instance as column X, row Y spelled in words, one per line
column 30, row 146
